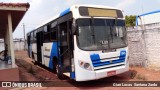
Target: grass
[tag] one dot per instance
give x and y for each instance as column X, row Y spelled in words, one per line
column 140, row 77
column 133, row 74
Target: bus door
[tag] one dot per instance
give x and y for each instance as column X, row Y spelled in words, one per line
column 39, row 39
column 65, row 52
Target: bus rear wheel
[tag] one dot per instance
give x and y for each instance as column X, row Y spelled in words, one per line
column 54, row 66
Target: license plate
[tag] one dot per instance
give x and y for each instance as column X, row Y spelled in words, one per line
column 111, row 73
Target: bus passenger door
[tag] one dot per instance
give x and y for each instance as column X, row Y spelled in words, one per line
column 65, row 52
column 39, row 44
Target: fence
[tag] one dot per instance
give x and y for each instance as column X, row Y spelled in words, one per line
column 18, row 45
column 144, row 47
column 1, row 46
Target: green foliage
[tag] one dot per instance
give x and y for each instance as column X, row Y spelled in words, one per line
column 130, row 20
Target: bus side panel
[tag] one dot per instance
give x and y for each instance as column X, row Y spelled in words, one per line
column 50, row 50
column 46, row 53
column 54, row 53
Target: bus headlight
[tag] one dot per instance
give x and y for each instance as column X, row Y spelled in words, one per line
column 85, row 65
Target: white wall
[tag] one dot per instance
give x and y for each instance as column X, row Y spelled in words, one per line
column 18, row 46
column 144, row 47
column 1, row 46
column 148, row 19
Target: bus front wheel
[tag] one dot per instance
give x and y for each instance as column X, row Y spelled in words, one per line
column 59, row 72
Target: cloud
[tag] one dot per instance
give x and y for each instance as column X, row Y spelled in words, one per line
column 125, row 3
column 72, row 2
column 42, row 10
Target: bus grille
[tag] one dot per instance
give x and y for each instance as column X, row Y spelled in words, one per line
column 107, row 62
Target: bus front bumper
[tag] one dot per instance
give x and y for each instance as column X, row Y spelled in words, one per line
column 93, row 75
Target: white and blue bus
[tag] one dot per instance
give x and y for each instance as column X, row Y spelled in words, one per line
column 84, row 42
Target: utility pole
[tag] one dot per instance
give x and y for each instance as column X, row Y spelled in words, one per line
column 24, row 36
column 142, row 19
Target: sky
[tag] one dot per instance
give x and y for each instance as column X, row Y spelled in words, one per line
column 42, row 10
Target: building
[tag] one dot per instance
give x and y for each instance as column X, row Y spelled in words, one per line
column 144, row 41
column 10, row 16
column 148, row 20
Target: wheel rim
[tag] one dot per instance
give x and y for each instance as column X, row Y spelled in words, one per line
column 57, row 68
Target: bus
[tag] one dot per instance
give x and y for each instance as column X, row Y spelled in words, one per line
column 84, row 42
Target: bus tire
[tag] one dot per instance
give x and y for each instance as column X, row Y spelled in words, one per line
column 35, row 63
column 33, row 55
column 59, row 72
column 54, row 64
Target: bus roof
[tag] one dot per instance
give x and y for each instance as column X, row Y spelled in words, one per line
column 70, row 9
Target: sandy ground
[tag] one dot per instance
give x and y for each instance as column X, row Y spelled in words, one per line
column 31, row 72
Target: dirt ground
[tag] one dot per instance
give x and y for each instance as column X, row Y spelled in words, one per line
column 30, row 72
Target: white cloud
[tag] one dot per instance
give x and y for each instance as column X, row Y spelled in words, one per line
column 35, row 3
column 73, row 2
column 125, row 3
column 42, row 10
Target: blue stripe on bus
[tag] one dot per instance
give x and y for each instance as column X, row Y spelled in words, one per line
column 72, row 75
column 94, row 57
column 54, row 53
column 65, row 12
column 96, row 61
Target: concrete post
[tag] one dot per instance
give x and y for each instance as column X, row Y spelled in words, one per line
column 10, row 39
column 5, row 38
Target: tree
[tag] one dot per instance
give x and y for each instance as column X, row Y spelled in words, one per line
column 130, row 20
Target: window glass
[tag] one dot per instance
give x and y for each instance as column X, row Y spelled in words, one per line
column 45, row 28
column 54, row 33
column 85, row 38
column 53, row 24
column 101, row 34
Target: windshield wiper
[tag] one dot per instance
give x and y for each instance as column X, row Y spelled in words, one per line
column 114, row 28
column 92, row 30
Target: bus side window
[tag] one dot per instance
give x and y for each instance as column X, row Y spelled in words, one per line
column 53, row 29
column 35, row 32
column 63, row 28
column 54, row 34
column 32, row 37
column 46, row 34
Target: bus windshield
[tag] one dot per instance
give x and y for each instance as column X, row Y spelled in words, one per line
column 101, row 34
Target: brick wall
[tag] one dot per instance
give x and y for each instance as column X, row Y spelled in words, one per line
column 144, row 47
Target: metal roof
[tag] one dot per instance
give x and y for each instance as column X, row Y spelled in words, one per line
column 145, row 14
column 15, row 4
column 17, row 11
